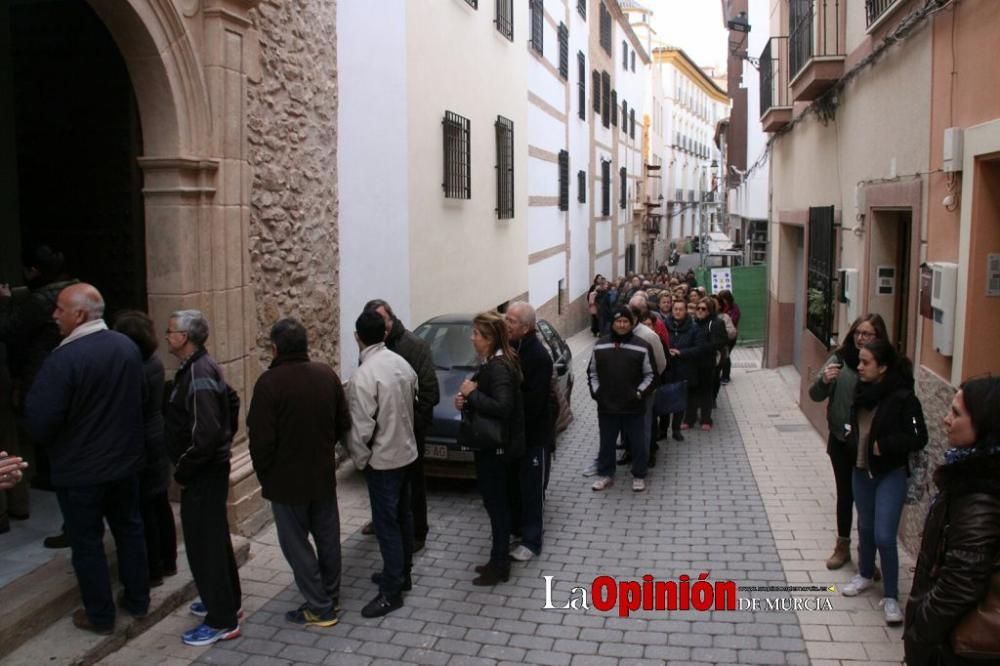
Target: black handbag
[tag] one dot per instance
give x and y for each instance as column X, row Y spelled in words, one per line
column 480, row 432
column 670, row 398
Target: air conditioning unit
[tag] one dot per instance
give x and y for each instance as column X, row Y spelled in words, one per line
column 944, row 288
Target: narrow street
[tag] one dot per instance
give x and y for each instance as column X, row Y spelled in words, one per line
column 749, row 502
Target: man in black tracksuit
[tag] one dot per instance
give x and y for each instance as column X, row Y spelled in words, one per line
column 417, row 353
column 621, row 377
column 199, row 427
column 526, row 490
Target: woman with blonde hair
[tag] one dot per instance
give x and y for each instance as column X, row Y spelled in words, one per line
column 493, row 427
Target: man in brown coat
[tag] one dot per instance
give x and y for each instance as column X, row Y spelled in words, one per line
column 297, row 414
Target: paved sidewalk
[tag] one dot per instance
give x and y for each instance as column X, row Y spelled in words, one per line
column 749, row 502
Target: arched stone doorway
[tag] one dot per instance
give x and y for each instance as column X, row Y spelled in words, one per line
column 188, row 62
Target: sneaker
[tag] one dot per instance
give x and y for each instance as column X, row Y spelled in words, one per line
column 592, row 470
column 857, row 585
column 198, row 610
column 638, row 485
column 602, row 483
column 890, row 608
column 381, row 605
column 307, row 617
column 706, row 427
column 522, row 553
column 206, row 635
column 685, row 426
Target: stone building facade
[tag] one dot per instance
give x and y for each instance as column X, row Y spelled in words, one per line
column 225, row 181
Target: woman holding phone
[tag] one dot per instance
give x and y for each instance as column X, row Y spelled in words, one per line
column 836, row 382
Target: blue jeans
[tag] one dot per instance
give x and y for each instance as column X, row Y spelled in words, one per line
column 880, row 505
column 634, row 430
column 84, row 510
column 392, row 518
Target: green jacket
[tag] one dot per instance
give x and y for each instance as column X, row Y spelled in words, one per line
column 840, row 392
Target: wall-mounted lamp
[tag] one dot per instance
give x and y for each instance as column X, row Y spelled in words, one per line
column 739, row 24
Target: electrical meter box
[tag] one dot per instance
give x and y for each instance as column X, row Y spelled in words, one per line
column 944, row 288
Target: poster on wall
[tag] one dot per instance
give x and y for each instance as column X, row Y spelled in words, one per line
column 722, row 278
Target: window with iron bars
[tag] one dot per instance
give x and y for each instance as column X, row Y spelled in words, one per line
column 605, row 188
column 605, row 29
column 581, row 187
column 563, row 51
column 563, row 180
column 595, row 85
column 614, row 108
column 581, row 66
column 874, row 9
column 623, row 196
column 633, row 60
column 581, row 7
column 537, row 25
column 624, row 117
column 505, row 18
column 625, row 55
column 505, row 168
column 631, row 123
column 821, row 267
column 473, row 3
column 606, row 99
column 457, row 163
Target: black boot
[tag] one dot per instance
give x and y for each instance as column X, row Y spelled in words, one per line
column 492, row 574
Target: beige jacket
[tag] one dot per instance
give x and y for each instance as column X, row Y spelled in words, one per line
column 380, row 396
column 649, row 336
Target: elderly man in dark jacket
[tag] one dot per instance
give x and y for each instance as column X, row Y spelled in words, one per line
column 199, row 424
column 297, row 414
column 417, row 353
column 526, row 492
column 85, row 407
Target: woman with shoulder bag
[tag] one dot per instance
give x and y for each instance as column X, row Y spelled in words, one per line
column 888, row 422
column 953, row 616
column 493, row 427
column 836, row 382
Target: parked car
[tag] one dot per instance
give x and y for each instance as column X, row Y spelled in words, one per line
column 454, row 360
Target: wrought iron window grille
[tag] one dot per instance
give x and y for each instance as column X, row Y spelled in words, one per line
column 563, row 180
column 537, row 25
column 563, row 51
column 505, row 168
column 457, row 159
column 581, row 187
column 504, row 19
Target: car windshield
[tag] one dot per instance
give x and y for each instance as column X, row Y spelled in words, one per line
column 450, row 344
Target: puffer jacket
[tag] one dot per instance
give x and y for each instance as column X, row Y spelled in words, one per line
column 959, row 551
column 621, row 374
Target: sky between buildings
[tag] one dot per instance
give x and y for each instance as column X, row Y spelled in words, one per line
column 694, row 25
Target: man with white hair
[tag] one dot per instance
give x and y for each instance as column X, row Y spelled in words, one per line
column 85, row 408
column 199, row 421
column 528, row 473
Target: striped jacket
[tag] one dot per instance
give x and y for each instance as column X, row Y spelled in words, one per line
column 620, row 374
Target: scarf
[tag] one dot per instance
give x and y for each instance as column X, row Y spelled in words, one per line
column 954, row 455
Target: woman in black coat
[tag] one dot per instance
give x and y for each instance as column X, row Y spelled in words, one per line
column 154, row 480
column 960, row 549
column 494, row 393
column 711, row 340
column 888, row 424
column 682, row 365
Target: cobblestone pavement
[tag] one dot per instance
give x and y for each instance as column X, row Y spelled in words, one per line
column 749, row 503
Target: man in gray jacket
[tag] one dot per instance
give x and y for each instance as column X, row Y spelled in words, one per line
column 382, row 444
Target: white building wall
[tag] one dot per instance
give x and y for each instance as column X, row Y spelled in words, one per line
column 372, row 165
column 579, row 159
column 749, row 201
column 462, row 257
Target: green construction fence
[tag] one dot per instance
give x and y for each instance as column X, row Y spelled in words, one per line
column 750, row 292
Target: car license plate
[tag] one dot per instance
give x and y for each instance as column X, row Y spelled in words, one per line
column 461, row 456
column 439, row 451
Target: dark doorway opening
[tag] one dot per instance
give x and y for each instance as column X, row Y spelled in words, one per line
column 69, row 125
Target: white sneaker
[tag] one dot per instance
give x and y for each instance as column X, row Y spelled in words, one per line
column 592, row 470
column 890, row 608
column 522, row 553
column 638, row 485
column 603, row 483
column 857, row 585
